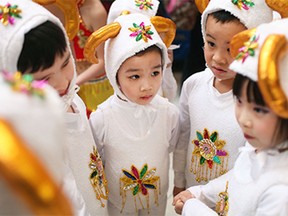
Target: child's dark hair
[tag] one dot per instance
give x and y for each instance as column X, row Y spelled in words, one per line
column 223, row 16
column 254, row 95
column 41, row 46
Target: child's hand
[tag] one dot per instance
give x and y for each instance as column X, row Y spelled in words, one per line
column 177, row 190
column 180, row 199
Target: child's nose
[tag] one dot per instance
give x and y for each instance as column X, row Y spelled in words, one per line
column 219, row 57
column 145, row 86
column 245, row 120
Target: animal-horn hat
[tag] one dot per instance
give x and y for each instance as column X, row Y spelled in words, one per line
column 251, row 13
column 126, row 36
column 261, row 54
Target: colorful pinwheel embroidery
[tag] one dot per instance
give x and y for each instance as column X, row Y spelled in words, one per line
column 8, row 13
column 144, row 4
column 141, row 32
column 139, row 182
column 208, row 151
column 245, row 4
column 25, row 84
column 97, row 177
column 248, row 49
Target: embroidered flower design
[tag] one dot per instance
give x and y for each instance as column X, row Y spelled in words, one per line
column 144, row 4
column 139, row 181
column 245, row 4
column 8, row 12
column 141, row 32
column 209, row 148
column 97, row 176
column 25, row 84
column 248, row 49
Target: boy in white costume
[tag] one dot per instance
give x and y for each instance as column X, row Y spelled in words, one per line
column 36, row 43
column 31, row 128
column 209, row 135
column 149, row 8
column 258, row 183
column 135, row 129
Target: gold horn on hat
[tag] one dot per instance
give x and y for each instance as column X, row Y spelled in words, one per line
column 71, row 14
column 201, row 5
column 281, row 6
column 26, row 175
column 165, row 27
column 239, row 39
column 97, row 37
column 268, row 74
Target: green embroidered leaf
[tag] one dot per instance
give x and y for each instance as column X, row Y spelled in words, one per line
column 93, row 174
column 202, row 160
column 214, row 136
column 135, row 190
column 138, row 37
column 143, row 171
column 216, row 159
column 199, row 136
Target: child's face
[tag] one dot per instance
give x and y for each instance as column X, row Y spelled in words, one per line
column 59, row 75
column 140, row 77
column 216, row 47
column 257, row 122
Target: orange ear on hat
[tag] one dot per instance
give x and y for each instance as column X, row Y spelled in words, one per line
column 281, row 6
column 71, row 14
column 201, row 5
column 28, row 177
column 165, row 27
column 98, row 37
column 268, row 74
column 239, row 39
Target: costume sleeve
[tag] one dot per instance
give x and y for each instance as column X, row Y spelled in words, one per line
column 209, row 193
column 179, row 156
column 169, row 84
column 195, row 207
column 97, row 125
column 174, row 129
column 274, row 202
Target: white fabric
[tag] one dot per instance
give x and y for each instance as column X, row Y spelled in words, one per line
column 129, row 134
column 202, row 106
column 264, row 193
column 118, row 6
column 123, row 46
column 13, row 35
column 79, row 146
column 38, row 121
column 251, row 18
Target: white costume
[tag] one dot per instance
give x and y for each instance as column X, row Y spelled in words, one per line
column 203, row 107
column 169, row 84
column 207, row 118
column 258, row 186
column 80, row 143
column 134, row 140
column 258, row 183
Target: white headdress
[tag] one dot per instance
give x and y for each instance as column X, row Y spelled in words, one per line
column 261, row 54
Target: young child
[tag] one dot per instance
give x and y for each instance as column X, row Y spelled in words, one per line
column 135, row 129
column 258, row 183
column 168, row 87
column 33, row 41
column 29, row 112
column 209, row 135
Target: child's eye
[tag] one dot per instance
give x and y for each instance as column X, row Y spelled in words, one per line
column 210, row 44
column 134, row 77
column 261, row 110
column 228, row 50
column 155, row 73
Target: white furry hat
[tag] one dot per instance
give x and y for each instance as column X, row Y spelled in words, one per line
column 145, row 7
column 21, row 17
column 32, row 112
column 18, row 18
column 126, row 36
column 261, row 54
column 251, row 12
